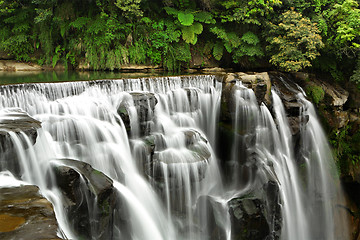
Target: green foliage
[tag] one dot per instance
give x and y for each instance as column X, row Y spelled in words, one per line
column 294, row 42
column 246, row 46
column 248, row 12
column 356, row 74
column 186, row 19
column 346, row 148
column 109, row 33
column 189, row 33
column 218, row 51
column 316, row 93
column 346, row 17
column 131, row 8
column 249, row 47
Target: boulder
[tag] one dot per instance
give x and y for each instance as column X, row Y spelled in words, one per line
column 248, row 219
column 144, row 103
column 16, row 121
column 213, row 70
column 256, row 216
column 195, row 156
column 91, row 202
column 26, row 214
column 335, row 95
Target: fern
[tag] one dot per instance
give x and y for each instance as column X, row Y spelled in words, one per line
column 80, row 22
column 186, row 19
column 171, row 11
column 218, row 51
column 189, row 33
column 233, row 39
column 250, row 38
column 204, row 17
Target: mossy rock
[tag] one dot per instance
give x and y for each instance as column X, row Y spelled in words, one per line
column 316, row 93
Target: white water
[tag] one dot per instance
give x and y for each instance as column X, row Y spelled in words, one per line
column 81, row 121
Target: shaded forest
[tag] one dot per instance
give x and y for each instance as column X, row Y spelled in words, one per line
column 289, row 35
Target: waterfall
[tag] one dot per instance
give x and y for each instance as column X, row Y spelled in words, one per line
column 155, row 139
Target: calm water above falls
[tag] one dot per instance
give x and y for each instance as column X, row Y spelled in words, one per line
column 157, row 140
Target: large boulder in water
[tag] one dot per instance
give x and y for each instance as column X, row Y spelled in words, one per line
column 256, row 217
column 144, row 103
column 26, row 214
column 192, row 158
column 17, row 122
column 92, row 204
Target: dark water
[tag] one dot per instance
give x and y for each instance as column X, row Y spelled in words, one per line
column 52, row 76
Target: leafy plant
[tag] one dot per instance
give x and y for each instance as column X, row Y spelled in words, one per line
column 316, row 93
column 294, row 42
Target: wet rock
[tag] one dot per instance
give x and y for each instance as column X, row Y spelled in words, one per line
column 16, row 120
column 144, row 103
column 19, row 122
column 260, row 83
column 256, row 217
column 91, row 202
column 335, row 95
column 230, row 78
column 26, row 214
column 192, row 159
column 124, row 114
column 214, row 222
column 248, row 220
column 295, row 124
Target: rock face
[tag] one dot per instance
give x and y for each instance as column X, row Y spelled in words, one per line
column 259, row 82
column 25, row 214
column 255, row 217
column 18, row 122
column 144, row 104
column 196, row 155
column 91, row 202
column 9, row 65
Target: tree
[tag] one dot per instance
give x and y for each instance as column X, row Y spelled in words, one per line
column 294, row 42
column 345, row 19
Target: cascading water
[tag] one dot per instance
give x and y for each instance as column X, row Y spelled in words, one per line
column 154, row 138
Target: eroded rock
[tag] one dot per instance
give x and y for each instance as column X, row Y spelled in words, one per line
column 144, row 104
column 26, row 214
column 91, row 202
column 256, row 216
column 15, row 125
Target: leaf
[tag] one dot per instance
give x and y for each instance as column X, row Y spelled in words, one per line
column 80, row 22
column 218, row 51
column 186, row 19
column 228, row 47
column 250, row 38
column 188, row 34
column 205, row 17
column 197, row 28
column 55, row 59
column 171, row 11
